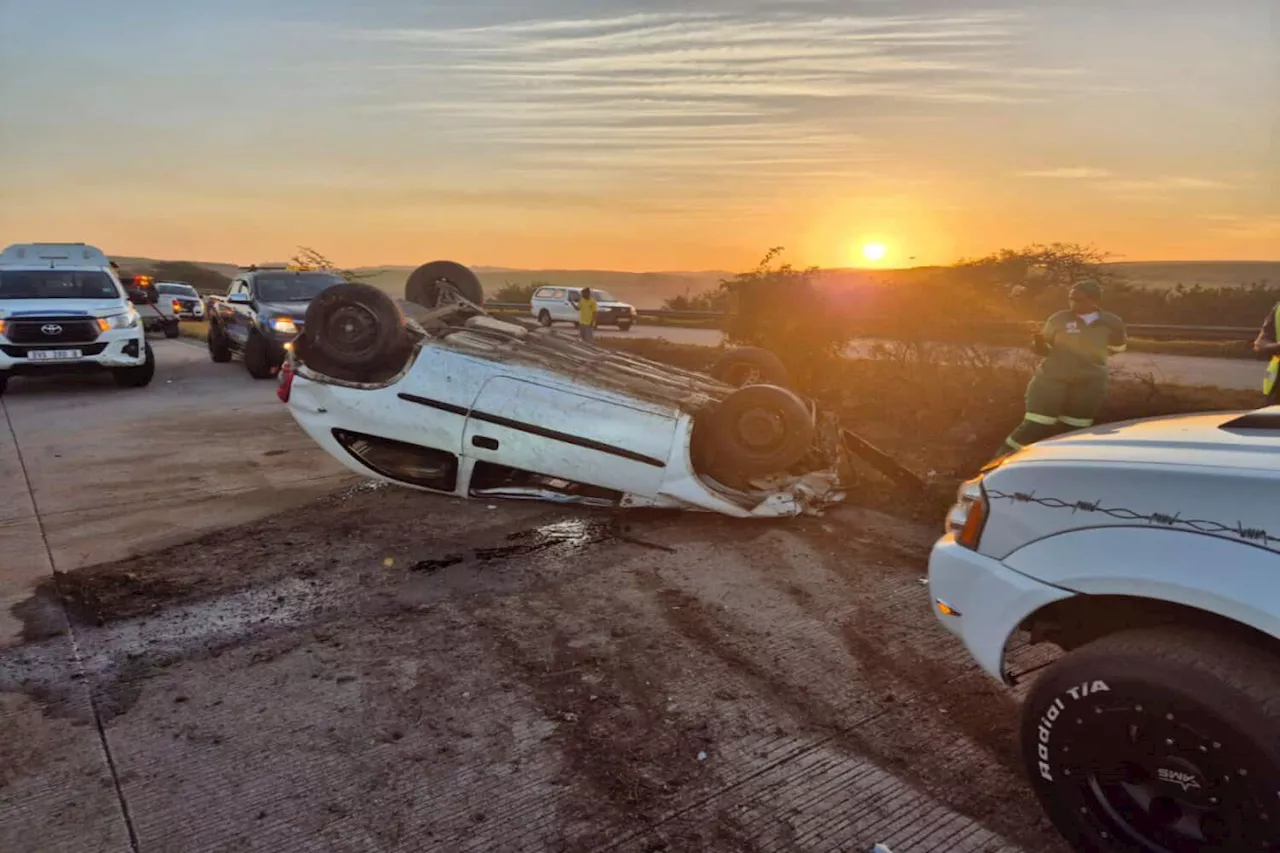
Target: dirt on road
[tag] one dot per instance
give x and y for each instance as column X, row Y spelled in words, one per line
column 386, row 670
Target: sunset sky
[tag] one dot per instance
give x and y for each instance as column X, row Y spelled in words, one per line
column 624, row 134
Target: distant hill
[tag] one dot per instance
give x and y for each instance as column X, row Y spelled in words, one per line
column 1206, row 273
column 651, row 289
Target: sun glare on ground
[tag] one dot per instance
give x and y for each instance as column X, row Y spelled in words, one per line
column 874, row 252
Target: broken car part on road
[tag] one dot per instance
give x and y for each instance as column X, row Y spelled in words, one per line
column 433, row 393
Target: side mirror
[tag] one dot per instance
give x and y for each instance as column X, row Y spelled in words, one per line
column 239, row 299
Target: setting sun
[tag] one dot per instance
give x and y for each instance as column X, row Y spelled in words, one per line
column 874, row 252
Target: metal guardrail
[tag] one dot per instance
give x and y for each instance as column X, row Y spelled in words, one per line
column 887, row 327
column 1147, row 331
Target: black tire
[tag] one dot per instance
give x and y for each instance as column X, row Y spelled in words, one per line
column 354, row 332
column 137, row 377
column 758, row 430
column 1133, row 735
column 624, row 325
column 423, row 286
column 257, row 357
column 4, row 381
column 544, row 317
column 750, row 366
column 216, row 341
column 171, row 330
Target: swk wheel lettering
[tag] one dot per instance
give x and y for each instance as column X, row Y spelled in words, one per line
column 1047, row 720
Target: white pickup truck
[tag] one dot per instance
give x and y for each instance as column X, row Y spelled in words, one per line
column 64, row 310
column 1150, row 552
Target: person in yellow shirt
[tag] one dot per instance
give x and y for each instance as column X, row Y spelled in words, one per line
column 587, row 307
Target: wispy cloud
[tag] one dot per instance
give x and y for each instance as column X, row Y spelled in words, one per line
column 1066, row 173
column 781, row 93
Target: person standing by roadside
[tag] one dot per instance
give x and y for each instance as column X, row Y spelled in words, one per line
column 587, row 308
column 1268, row 343
column 1070, row 384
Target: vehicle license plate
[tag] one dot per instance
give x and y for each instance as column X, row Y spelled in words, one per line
column 54, row 354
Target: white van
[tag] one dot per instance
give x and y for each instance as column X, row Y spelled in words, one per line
column 63, row 310
column 560, row 305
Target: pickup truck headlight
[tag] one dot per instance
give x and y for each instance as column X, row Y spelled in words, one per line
column 124, row 320
column 968, row 516
column 284, row 325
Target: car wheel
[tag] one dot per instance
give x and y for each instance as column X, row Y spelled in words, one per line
column 544, row 317
column 750, row 366
column 216, row 341
column 758, row 430
column 1158, row 739
column 257, row 357
column 4, row 381
column 624, row 325
column 354, row 332
column 137, row 377
column 424, row 284
column 171, row 330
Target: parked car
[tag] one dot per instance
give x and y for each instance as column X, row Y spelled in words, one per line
column 64, row 310
column 1150, row 552
column 261, row 315
column 435, row 394
column 183, row 298
column 158, row 314
column 552, row 305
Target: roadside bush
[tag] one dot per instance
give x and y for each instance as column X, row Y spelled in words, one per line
column 780, row 308
column 518, row 293
column 940, row 416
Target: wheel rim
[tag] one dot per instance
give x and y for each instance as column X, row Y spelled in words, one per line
column 352, row 330
column 760, row 430
column 740, row 375
column 1171, row 779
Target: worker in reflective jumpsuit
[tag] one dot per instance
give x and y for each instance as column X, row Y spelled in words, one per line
column 1268, row 343
column 1070, row 384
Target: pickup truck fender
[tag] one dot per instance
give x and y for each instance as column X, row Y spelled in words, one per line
column 1218, row 574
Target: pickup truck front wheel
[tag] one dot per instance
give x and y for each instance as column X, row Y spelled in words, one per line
column 1159, row 739
column 219, row 349
column 257, row 357
column 4, row 381
column 171, row 329
column 136, row 377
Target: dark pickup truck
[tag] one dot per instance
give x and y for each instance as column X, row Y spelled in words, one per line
column 262, row 314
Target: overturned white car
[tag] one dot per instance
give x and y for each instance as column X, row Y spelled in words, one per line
column 433, row 393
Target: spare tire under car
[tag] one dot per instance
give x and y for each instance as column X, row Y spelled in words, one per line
column 756, row 430
column 354, row 332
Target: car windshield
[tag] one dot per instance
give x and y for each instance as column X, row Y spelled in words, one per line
column 295, row 286
column 57, row 284
column 177, row 289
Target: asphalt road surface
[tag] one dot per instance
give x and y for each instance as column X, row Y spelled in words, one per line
column 246, row 650
column 1172, row 369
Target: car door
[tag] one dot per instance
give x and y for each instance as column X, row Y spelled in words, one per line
column 568, row 434
column 234, row 316
column 569, row 305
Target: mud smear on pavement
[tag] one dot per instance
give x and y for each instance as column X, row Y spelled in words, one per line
column 616, row 735
column 561, row 538
column 891, row 745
